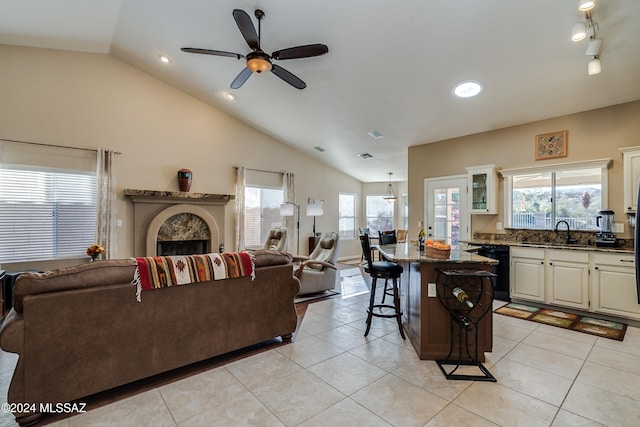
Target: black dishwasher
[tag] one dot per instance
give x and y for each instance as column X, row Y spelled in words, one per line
column 501, row 253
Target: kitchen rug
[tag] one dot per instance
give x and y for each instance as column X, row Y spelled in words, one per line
column 575, row 322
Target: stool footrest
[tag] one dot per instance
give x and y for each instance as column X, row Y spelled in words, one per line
column 394, row 314
column 485, row 376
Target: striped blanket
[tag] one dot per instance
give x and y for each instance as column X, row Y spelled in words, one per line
column 164, row 271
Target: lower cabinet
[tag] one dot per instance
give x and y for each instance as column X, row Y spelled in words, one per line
column 527, row 274
column 614, row 285
column 598, row 282
column 567, row 280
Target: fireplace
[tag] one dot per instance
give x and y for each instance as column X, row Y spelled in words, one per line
column 177, row 223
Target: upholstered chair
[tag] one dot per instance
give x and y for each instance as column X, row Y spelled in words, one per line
column 318, row 273
column 277, row 239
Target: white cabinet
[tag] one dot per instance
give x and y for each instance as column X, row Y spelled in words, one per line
column 631, row 163
column 527, row 274
column 567, row 278
column 614, row 285
column 482, row 182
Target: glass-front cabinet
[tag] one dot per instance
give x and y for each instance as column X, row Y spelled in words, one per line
column 482, row 189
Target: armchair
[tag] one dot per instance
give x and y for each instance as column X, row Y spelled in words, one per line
column 277, row 239
column 318, row 273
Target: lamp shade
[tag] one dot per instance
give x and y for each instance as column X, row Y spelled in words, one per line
column 315, row 209
column 595, row 66
column 286, row 209
column 579, row 32
column 584, row 5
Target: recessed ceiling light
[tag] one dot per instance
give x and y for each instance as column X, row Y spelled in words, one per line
column 165, row 59
column 230, row 96
column 468, row 88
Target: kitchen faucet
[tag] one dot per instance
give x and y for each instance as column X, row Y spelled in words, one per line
column 568, row 240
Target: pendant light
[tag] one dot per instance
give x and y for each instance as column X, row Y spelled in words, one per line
column 390, row 195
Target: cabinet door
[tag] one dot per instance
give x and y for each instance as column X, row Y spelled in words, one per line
column 482, row 184
column 527, row 278
column 615, row 289
column 567, row 280
column 631, row 162
column 569, row 284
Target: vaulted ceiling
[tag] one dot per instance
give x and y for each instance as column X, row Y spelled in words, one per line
column 391, row 66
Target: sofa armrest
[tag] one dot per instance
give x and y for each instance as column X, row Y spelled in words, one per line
column 12, row 333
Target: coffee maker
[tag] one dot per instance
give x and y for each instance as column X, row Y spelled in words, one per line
column 605, row 237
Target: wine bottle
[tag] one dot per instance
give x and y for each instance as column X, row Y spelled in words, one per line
column 462, row 296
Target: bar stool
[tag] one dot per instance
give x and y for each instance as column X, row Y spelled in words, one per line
column 387, row 238
column 381, row 270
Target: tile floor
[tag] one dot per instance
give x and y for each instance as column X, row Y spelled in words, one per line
column 332, row 375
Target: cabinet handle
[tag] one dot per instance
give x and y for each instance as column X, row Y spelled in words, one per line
column 626, row 260
column 550, row 263
column 596, row 268
column 541, row 262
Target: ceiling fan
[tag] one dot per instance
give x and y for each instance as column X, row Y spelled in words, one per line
column 258, row 61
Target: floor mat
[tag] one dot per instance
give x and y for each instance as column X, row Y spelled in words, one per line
column 587, row 324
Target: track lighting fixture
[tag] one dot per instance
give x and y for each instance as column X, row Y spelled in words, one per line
column 585, row 29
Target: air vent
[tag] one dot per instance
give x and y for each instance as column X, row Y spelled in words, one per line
column 320, row 149
column 375, row 134
column 365, row 155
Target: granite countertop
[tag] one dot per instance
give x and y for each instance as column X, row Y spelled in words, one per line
column 548, row 245
column 406, row 252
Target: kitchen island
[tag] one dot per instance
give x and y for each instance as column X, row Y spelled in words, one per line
column 426, row 322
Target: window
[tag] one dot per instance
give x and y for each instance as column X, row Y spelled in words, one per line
column 261, row 214
column 379, row 214
column 347, row 216
column 46, row 214
column 540, row 197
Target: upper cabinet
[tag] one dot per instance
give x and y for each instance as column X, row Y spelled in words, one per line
column 483, row 189
column 631, row 161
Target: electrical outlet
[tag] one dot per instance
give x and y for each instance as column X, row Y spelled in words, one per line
column 618, row 227
column 118, row 223
column 431, row 290
column 498, row 226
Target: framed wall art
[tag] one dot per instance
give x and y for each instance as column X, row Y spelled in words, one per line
column 551, row 145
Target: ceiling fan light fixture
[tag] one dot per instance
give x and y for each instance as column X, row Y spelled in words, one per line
column 467, row 89
column 258, row 62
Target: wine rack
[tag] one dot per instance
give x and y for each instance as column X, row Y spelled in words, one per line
column 468, row 297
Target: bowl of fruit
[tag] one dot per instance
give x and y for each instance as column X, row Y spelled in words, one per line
column 436, row 249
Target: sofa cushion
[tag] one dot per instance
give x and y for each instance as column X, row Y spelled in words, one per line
column 94, row 274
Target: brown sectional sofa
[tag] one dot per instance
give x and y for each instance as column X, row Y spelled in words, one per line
column 80, row 330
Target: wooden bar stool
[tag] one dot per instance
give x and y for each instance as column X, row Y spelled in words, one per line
column 382, row 270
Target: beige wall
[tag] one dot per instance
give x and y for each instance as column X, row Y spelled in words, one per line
column 96, row 101
column 592, row 135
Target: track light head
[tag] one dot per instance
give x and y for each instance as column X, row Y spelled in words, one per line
column 579, row 32
column 585, row 5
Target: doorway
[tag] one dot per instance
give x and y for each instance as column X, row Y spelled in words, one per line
column 446, row 209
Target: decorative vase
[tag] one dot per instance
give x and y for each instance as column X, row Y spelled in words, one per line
column 94, row 257
column 184, row 179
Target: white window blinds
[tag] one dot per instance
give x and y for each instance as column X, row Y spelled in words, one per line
column 46, row 212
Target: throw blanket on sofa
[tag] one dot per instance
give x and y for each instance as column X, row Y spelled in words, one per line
column 164, row 271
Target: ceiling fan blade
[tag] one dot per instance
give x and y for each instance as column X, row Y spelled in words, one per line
column 288, row 77
column 211, row 52
column 241, row 78
column 243, row 20
column 305, row 51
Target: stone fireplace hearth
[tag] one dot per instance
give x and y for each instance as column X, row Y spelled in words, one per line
column 177, row 223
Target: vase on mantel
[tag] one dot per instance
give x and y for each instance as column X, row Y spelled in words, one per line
column 184, row 179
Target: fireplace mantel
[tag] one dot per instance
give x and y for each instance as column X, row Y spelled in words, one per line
column 156, row 196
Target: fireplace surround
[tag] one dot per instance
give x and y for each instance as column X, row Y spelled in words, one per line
column 164, row 219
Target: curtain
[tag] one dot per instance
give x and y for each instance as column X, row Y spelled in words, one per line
column 240, row 208
column 105, row 234
column 289, row 195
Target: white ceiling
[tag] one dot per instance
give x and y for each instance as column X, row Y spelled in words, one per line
column 391, row 66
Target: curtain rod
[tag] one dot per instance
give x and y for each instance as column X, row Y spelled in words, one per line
column 53, row 145
column 259, row 170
